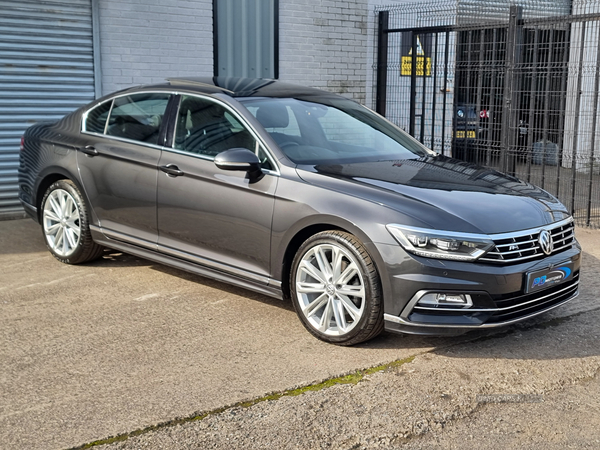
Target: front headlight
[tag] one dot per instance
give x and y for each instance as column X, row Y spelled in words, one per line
column 441, row 244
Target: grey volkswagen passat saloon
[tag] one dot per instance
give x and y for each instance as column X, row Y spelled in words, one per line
column 299, row 193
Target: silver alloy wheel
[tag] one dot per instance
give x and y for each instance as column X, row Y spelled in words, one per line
column 330, row 289
column 61, row 221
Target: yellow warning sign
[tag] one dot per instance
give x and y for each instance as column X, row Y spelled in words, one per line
column 423, row 65
column 460, row 134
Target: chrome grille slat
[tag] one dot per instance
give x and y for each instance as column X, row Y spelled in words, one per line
column 532, row 241
column 514, row 251
column 561, row 240
column 504, row 252
column 513, row 260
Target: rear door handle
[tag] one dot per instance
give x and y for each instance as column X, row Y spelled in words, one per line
column 171, row 170
column 89, row 150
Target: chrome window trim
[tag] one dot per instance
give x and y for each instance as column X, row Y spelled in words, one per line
column 208, row 158
column 205, row 158
column 184, row 153
column 128, row 141
column 112, row 105
column 84, row 115
column 242, row 120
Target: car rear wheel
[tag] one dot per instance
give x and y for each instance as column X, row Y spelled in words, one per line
column 65, row 224
column 336, row 289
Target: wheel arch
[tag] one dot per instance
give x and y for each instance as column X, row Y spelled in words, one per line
column 293, row 246
column 49, row 176
column 302, row 232
column 342, row 318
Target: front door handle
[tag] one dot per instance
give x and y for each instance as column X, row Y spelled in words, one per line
column 89, row 150
column 171, row 170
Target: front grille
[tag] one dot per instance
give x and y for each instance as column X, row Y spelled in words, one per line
column 524, row 247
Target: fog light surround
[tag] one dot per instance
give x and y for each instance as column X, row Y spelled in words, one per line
column 445, row 300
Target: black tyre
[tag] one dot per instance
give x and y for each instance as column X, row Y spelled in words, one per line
column 65, row 224
column 336, row 289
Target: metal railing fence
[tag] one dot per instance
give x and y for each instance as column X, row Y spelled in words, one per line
column 511, row 87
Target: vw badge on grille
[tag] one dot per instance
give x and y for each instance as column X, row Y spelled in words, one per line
column 545, row 241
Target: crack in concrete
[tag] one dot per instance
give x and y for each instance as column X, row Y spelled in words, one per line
column 354, row 377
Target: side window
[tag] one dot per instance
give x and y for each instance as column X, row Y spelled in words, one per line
column 96, row 118
column 207, row 128
column 138, row 117
column 265, row 163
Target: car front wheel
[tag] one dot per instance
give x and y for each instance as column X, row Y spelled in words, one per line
column 336, row 289
column 66, row 226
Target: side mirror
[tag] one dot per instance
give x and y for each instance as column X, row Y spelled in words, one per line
column 239, row 159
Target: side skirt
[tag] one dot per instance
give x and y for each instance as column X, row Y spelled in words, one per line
column 271, row 291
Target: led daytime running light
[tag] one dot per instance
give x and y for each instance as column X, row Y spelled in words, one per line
column 440, row 245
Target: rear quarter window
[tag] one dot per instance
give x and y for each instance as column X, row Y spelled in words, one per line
column 95, row 122
column 138, row 117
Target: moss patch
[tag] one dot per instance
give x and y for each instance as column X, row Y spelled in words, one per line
column 352, row 378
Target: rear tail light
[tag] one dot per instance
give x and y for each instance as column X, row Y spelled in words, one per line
column 22, row 146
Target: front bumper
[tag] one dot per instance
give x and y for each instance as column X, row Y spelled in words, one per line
column 498, row 292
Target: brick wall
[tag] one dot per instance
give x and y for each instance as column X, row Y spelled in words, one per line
column 148, row 41
column 323, row 44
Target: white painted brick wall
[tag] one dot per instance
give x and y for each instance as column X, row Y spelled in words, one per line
column 146, row 41
column 323, row 44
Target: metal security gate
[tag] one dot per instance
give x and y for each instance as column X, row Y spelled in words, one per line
column 505, row 87
column 46, row 71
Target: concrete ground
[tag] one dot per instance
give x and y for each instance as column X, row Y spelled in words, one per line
column 122, row 344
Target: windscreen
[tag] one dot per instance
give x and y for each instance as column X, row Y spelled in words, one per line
column 331, row 130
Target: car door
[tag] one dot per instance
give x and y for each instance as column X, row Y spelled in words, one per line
column 118, row 164
column 221, row 219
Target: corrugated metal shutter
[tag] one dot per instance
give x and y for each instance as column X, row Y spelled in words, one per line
column 246, row 38
column 46, row 71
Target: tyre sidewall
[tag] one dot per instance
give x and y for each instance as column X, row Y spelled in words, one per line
column 372, row 290
column 69, row 187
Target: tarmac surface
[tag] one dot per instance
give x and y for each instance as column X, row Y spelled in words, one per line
column 121, row 345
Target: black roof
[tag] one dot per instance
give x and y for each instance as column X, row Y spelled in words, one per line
column 246, row 87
